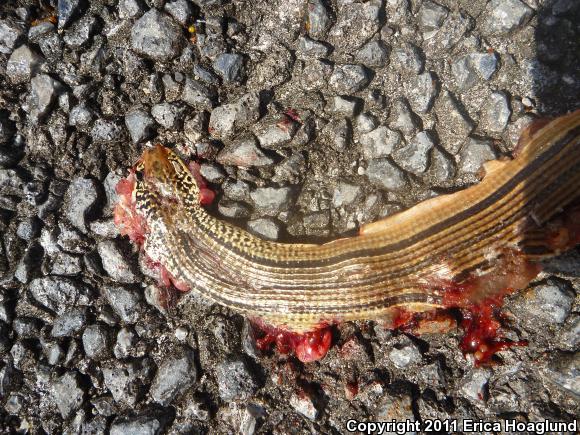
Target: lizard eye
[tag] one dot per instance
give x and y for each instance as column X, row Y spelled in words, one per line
column 139, row 175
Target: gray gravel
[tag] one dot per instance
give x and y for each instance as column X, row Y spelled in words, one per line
column 156, row 36
column 69, row 323
column 96, row 342
column 309, row 118
column 23, row 64
column 235, row 380
column 115, row 262
column 244, row 152
column 58, row 294
column 80, row 198
column 379, row 142
column 406, row 355
column 125, row 381
column 140, row 125
column 138, row 425
column 125, row 302
column 267, row 228
column 173, row 377
column 474, row 153
column 67, row 393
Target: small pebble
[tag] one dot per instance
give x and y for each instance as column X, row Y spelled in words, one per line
column 156, row 36
column 174, row 376
column 235, row 380
column 96, row 342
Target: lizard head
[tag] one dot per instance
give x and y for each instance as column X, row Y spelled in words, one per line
column 171, row 177
column 159, row 178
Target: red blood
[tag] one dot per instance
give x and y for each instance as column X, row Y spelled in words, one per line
column 194, row 168
column 351, row 390
column 125, row 186
column 426, row 322
column 480, row 321
column 167, row 279
column 482, row 335
column 164, row 279
column 293, row 114
column 403, row 319
column 180, row 285
column 287, row 120
column 512, row 272
column 308, row 347
column 480, row 298
column 125, row 217
column 314, row 345
column 206, row 195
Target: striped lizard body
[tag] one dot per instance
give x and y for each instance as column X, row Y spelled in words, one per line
column 395, row 262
